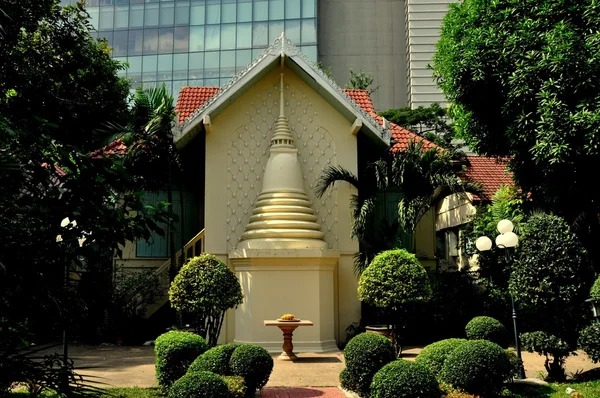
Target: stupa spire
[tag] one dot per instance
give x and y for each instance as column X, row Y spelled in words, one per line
column 282, row 216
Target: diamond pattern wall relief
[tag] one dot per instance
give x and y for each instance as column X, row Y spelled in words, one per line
column 249, row 151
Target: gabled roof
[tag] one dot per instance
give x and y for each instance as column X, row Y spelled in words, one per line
column 490, row 173
column 117, row 147
column 281, row 52
column 192, row 98
column 400, row 136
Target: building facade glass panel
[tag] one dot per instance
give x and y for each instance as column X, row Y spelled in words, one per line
column 200, row 42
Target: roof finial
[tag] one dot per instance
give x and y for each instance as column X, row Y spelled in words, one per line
column 281, row 108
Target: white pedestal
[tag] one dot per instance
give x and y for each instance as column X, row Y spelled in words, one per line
column 279, row 281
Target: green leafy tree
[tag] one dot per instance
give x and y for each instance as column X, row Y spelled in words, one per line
column 551, row 278
column 429, row 122
column 394, row 280
column 520, row 76
column 360, row 80
column 203, row 290
column 63, row 213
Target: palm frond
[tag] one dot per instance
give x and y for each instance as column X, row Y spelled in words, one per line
column 333, row 174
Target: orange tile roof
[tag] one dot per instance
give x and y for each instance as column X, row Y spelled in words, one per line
column 192, row 98
column 116, row 147
column 490, row 173
column 400, row 135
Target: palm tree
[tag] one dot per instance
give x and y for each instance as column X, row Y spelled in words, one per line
column 422, row 176
column 150, row 147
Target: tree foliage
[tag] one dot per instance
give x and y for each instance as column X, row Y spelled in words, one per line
column 522, row 79
column 551, row 278
column 58, row 88
column 360, row 80
column 204, row 289
column 429, row 122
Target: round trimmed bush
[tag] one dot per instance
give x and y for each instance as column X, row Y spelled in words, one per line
column 236, row 386
column 404, row 379
column 434, row 355
column 199, row 385
column 174, row 352
column 215, row 360
column 253, row 363
column 365, row 354
column 347, row 381
column 589, row 341
column 595, row 291
column 487, row 328
column 478, row 367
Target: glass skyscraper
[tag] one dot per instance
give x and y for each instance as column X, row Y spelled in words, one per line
column 198, row 42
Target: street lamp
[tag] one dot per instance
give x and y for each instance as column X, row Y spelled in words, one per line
column 506, row 240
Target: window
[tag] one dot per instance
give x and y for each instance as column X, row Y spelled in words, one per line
column 292, row 9
column 308, row 9
column 136, row 16
column 211, row 65
column 197, row 12
column 151, row 15
column 107, row 16
column 181, row 39
column 244, row 35
column 261, row 10
column 180, row 66
column 227, row 64
column 167, row 14
column 119, row 43
column 292, row 31
column 94, row 16
column 228, row 11
column 182, row 14
column 150, row 41
column 165, row 67
column 276, row 9
column 122, row 17
column 197, row 38
column 196, row 66
column 165, row 40
column 242, row 59
column 228, row 37
column 309, row 32
column 260, row 34
column 135, row 69
column 275, row 29
column 244, row 11
column 149, row 64
column 212, row 36
column 136, row 40
column 213, row 12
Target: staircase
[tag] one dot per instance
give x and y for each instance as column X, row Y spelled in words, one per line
column 191, row 249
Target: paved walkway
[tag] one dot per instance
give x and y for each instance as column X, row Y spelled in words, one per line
column 283, row 392
column 134, row 367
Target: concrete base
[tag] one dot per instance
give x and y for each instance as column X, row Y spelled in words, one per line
column 276, row 282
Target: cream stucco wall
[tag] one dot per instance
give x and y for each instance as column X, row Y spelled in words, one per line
column 237, row 151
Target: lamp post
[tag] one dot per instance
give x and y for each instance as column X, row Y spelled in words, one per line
column 506, row 240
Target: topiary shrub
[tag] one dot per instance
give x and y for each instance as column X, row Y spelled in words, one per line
column 174, row 353
column 215, row 360
column 589, row 341
column 393, row 279
column 487, row 328
column 199, row 385
column 203, row 290
column 434, row 355
column 347, row 380
column 235, row 386
column 365, row 354
column 478, row 367
column 516, row 365
column 254, row 364
column 549, row 346
column 401, row 378
column 551, row 278
column 595, row 290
